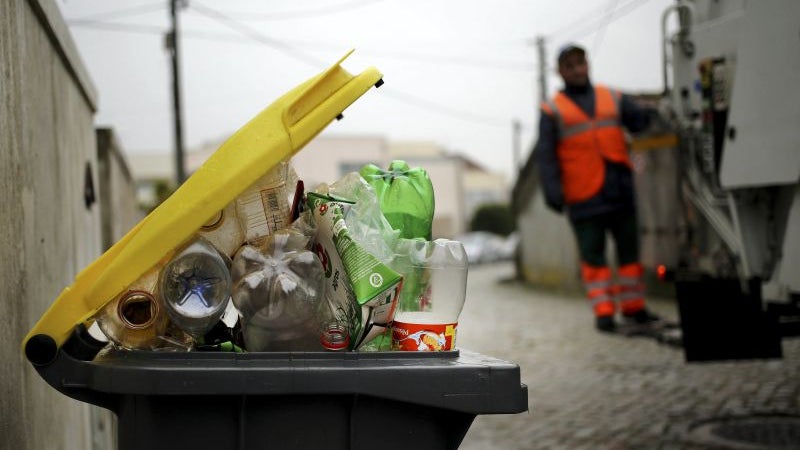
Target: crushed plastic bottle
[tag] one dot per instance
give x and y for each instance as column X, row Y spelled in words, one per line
column 224, row 231
column 195, row 287
column 432, row 300
column 264, row 207
column 279, row 292
column 365, row 221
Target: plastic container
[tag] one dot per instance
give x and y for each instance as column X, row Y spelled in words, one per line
column 135, row 319
column 330, row 400
column 224, row 231
column 234, row 401
column 264, row 207
column 433, row 296
column 195, row 287
column 279, row 291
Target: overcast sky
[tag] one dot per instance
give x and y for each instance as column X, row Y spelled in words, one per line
column 457, row 72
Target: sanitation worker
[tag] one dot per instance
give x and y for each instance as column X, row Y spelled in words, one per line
column 585, row 171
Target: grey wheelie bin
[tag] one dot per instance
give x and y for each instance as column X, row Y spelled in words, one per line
column 237, row 401
column 230, row 401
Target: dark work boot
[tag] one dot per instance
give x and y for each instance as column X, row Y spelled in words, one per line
column 643, row 316
column 605, row 324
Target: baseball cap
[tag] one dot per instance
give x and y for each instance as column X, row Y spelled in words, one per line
column 569, row 48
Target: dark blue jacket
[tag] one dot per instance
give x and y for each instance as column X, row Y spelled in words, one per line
column 617, row 192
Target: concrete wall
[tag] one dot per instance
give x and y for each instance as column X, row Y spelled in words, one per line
column 547, row 253
column 51, row 228
column 117, row 189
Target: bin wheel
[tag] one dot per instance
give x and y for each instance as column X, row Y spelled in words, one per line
column 41, row 350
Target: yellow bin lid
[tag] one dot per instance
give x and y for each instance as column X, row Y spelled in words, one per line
column 276, row 133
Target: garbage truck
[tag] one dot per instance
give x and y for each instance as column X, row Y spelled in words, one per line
column 731, row 72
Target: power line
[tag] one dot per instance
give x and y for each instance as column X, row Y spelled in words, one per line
column 429, row 106
column 119, row 13
column 588, row 17
column 300, row 14
column 621, row 12
column 257, row 36
column 603, row 26
column 474, row 62
column 585, row 25
column 122, row 27
column 398, row 95
column 439, row 59
column 293, row 52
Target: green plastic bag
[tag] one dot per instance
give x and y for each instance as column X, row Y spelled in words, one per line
column 405, row 196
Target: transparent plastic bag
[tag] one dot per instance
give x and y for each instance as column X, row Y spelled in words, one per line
column 365, row 221
column 279, row 292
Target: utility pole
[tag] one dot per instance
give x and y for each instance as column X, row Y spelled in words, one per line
column 172, row 47
column 540, row 45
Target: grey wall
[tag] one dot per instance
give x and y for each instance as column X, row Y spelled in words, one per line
column 117, row 189
column 547, row 253
column 47, row 141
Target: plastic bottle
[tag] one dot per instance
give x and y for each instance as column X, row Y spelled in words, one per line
column 224, row 231
column 279, row 289
column 334, row 336
column 405, row 195
column 135, row 319
column 195, row 287
column 264, row 207
column 432, row 299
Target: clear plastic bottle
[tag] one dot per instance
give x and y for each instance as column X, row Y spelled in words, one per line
column 334, row 336
column 265, row 207
column 135, row 319
column 433, row 294
column 195, row 287
column 279, row 289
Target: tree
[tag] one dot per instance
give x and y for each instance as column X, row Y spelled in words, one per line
column 495, row 218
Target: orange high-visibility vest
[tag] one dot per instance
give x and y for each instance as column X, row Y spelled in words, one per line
column 585, row 142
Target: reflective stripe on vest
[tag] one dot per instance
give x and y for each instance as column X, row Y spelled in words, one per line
column 585, row 142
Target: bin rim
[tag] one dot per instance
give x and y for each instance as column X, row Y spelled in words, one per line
column 458, row 380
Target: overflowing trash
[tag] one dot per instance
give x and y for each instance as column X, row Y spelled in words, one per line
column 243, row 258
column 347, row 266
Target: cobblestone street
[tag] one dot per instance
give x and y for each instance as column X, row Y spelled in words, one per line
column 588, row 390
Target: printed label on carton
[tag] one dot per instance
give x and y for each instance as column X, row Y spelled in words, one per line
column 361, row 287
